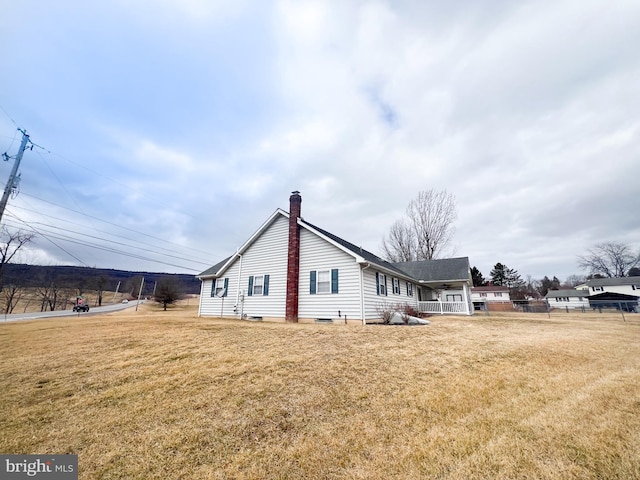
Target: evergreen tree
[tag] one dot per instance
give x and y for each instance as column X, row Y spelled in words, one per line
column 499, row 275
column 478, row 279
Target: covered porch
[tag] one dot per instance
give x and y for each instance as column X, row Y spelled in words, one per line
column 444, row 285
column 445, row 299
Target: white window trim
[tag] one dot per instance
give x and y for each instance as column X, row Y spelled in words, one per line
column 256, row 285
column 218, row 287
column 326, row 282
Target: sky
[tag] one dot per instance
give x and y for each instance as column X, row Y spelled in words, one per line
column 166, row 132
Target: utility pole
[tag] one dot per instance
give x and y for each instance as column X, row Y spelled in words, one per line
column 12, row 183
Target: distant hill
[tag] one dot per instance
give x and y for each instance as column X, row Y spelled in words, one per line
column 85, row 278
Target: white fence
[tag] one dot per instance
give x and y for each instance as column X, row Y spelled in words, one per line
column 444, row 308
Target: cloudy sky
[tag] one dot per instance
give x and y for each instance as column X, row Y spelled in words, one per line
column 167, row 131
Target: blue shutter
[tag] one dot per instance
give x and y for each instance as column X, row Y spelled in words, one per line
column 312, row 282
column 386, row 287
column 265, row 285
column 213, row 287
column 226, row 286
column 334, row 280
column 250, row 292
column 377, row 283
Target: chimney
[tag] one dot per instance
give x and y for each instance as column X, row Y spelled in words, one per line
column 293, row 258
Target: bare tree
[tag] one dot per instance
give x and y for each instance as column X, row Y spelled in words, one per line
column 11, row 242
column 12, row 294
column 573, row 281
column 427, row 229
column 610, row 259
column 399, row 246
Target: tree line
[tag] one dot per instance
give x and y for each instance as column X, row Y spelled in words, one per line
column 605, row 260
column 50, row 288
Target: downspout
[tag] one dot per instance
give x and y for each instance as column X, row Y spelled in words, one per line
column 362, row 310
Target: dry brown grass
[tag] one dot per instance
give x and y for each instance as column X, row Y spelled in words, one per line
column 169, row 395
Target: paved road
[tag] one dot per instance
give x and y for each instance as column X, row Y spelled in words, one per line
column 16, row 317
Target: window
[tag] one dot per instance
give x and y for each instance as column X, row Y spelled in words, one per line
column 497, row 294
column 635, row 287
column 598, row 289
column 483, row 294
column 562, row 299
column 258, row 285
column 454, row 297
column 220, row 285
column 409, row 289
column 381, row 284
column 395, row 283
column 323, row 281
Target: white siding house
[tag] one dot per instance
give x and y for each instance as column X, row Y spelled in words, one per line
column 490, row 293
column 568, row 298
column 334, row 281
column 622, row 285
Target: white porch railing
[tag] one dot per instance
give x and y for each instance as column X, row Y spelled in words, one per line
column 444, row 308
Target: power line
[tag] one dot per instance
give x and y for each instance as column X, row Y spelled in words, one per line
column 9, row 116
column 115, row 224
column 48, row 239
column 192, row 259
column 115, row 243
column 99, row 247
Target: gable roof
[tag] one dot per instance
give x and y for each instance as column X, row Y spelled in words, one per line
column 609, row 282
column 218, row 268
column 365, row 255
column 440, row 270
column 570, row 292
column 211, row 271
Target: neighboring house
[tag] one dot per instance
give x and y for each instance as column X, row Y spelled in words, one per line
column 292, row 270
column 621, row 293
column 623, row 285
column 568, row 298
column 490, row 293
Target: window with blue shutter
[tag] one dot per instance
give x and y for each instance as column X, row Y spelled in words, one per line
column 258, row 285
column 323, row 281
column 381, row 284
column 218, row 285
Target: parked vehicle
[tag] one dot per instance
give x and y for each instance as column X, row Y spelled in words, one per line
column 81, row 304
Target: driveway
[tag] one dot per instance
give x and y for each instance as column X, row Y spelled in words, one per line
column 17, row 317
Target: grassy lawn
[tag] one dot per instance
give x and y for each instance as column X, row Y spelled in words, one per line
column 168, row 395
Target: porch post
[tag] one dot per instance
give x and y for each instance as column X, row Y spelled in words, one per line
column 465, row 290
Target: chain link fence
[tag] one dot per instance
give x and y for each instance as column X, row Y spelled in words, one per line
column 626, row 309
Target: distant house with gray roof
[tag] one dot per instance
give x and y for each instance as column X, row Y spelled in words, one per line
column 292, row 270
column 623, row 285
column 568, row 298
